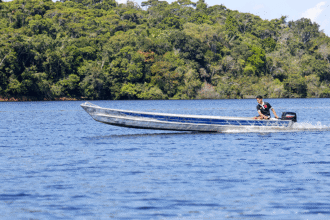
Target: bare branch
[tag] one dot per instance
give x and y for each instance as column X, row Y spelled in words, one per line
column 4, row 58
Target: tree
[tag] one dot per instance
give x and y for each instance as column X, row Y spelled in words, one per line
column 191, row 85
column 101, row 49
column 190, row 48
column 244, row 22
column 269, row 44
column 324, row 50
column 305, row 28
column 93, row 81
column 257, row 60
column 231, row 27
column 166, row 77
column 296, row 86
column 172, row 22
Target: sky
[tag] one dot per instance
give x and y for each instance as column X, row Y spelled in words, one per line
column 317, row 10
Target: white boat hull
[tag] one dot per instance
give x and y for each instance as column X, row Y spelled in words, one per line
column 176, row 122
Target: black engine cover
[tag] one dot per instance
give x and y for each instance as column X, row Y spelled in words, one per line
column 289, row 116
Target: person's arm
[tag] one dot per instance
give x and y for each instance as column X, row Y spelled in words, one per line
column 262, row 116
column 273, row 110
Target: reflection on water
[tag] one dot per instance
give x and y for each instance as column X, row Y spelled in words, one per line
column 149, row 135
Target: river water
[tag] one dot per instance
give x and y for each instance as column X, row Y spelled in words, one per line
column 56, row 162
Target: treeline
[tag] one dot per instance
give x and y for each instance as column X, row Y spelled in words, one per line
column 99, row 49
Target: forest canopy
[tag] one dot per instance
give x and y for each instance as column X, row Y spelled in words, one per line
column 99, row 49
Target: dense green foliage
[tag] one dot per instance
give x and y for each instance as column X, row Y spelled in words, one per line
column 99, row 49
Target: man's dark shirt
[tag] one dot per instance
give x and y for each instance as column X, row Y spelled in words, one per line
column 264, row 108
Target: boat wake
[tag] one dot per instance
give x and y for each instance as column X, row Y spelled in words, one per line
column 310, row 126
column 296, row 127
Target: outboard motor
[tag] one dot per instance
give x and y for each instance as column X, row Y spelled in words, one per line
column 289, row 116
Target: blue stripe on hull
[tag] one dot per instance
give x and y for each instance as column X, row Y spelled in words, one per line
column 209, row 121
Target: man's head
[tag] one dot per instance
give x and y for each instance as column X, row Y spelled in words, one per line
column 259, row 99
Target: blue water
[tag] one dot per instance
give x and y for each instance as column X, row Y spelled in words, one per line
column 56, row 162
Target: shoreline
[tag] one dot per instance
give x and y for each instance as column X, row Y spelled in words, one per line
column 31, row 99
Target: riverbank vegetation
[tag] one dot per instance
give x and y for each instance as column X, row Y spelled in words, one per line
column 99, row 49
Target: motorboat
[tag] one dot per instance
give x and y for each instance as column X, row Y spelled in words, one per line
column 181, row 122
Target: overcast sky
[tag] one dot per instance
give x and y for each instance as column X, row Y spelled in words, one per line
column 317, row 10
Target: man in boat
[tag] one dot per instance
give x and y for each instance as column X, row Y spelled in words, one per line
column 263, row 109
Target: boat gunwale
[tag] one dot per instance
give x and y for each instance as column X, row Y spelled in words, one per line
column 186, row 116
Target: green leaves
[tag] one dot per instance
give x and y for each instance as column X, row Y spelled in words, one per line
column 269, row 44
column 305, row 28
column 231, row 26
column 93, row 82
column 172, row 22
column 14, row 87
column 257, row 59
column 39, row 25
column 99, row 49
column 165, row 77
column 296, row 86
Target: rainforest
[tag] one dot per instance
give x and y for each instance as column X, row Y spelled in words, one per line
column 100, row 49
